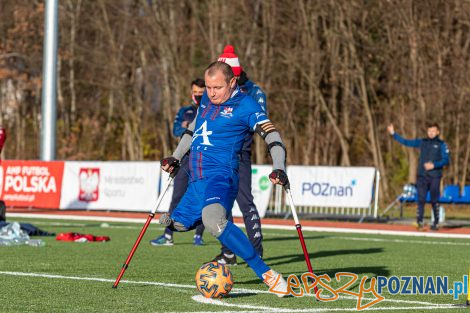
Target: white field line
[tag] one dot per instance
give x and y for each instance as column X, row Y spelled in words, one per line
column 80, row 218
column 447, row 243
column 201, row 299
column 368, row 231
column 61, row 224
column 265, row 226
column 50, row 216
column 429, row 242
column 107, row 280
column 267, row 235
column 103, row 225
column 171, row 285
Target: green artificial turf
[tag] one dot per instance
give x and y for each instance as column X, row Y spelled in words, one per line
column 163, row 277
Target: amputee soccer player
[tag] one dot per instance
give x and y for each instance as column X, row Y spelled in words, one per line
column 245, row 200
column 215, row 139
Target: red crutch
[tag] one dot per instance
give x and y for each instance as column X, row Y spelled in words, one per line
column 142, row 232
column 299, row 231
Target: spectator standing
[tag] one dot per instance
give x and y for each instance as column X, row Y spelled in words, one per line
column 433, row 156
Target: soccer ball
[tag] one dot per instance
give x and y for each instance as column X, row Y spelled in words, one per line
column 214, row 280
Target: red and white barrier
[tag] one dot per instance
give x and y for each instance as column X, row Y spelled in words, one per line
column 123, row 186
column 135, row 186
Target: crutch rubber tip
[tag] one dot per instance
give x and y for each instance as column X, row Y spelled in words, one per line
column 114, row 287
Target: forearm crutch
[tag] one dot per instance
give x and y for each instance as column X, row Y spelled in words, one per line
column 299, row 231
column 142, row 232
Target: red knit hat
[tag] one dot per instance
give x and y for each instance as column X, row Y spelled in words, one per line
column 231, row 59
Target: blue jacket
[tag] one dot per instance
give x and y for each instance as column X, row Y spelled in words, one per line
column 431, row 150
column 186, row 113
column 258, row 95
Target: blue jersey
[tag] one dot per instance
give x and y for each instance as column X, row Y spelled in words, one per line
column 185, row 114
column 258, row 95
column 255, row 92
column 220, row 132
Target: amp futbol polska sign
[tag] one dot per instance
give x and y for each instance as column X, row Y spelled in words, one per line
column 31, row 183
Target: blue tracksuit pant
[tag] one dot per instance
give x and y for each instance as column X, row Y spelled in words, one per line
column 425, row 184
column 247, row 206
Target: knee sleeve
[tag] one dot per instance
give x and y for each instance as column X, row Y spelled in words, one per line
column 214, row 218
column 179, row 227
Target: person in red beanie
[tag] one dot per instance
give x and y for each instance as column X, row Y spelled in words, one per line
column 229, row 57
column 245, row 197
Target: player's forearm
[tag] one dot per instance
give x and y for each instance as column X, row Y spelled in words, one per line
column 276, row 147
column 277, row 150
column 185, row 142
column 183, row 146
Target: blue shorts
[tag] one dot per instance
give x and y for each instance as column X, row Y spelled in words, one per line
column 216, row 188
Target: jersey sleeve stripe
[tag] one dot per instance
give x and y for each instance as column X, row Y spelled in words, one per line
column 260, row 123
column 267, row 127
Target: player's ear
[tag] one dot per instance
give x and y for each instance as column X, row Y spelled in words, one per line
column 233, row 82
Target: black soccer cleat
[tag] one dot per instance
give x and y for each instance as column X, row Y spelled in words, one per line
column 225, row 260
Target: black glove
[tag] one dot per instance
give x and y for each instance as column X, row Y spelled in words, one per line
column 282, row 176
column 172, row 162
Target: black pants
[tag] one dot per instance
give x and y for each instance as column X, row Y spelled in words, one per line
column 180, row 184
column 3, row 209
column 425, row 184
column 247, row 206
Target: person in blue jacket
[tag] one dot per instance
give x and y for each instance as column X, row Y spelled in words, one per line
column 180, row 183
column 215, row 140
column 244, row 199
column 433, row 156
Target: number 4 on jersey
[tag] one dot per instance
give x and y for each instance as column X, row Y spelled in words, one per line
column 202, row 131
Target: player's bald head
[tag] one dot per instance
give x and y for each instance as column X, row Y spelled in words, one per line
column 220, row 82
column 223, row 67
